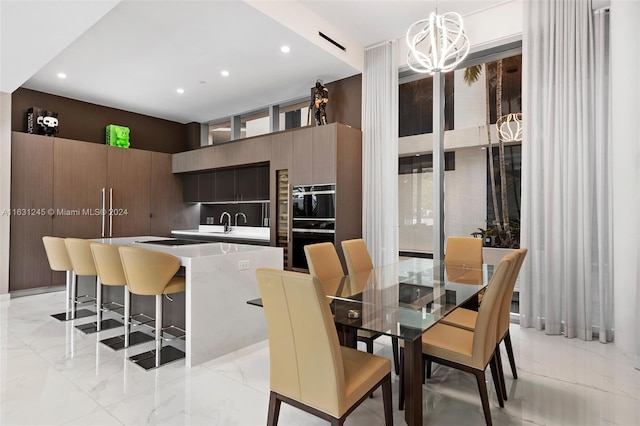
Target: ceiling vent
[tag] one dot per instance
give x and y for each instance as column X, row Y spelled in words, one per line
column 332, row 41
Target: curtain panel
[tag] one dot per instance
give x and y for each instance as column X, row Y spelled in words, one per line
column 380, row 153
column 567, row 282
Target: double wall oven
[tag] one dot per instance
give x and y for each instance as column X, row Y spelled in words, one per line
column 314, row 219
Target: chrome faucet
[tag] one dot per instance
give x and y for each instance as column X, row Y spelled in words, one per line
column 236, row 218
column 227, row 226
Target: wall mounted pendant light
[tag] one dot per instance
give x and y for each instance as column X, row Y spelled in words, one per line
column 437, row 44
column 510, row 127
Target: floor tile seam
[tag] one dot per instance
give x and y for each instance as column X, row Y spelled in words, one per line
column 615, row 392
column 100, row 408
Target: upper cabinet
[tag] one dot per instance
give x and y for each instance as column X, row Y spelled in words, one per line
column 239, row 184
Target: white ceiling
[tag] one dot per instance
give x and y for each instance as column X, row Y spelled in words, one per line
column 133, row 54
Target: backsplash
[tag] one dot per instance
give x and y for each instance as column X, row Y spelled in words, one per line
column 255, row 212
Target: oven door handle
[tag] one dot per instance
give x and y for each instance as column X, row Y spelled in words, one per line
column 314, row 231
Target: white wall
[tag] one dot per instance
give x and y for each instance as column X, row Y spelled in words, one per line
column 258, row 126
column 625, row 103
column 5, row 190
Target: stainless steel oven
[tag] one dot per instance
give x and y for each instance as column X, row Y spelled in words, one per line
column 314, row 219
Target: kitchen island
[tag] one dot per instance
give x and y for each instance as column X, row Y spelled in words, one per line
column 220, row 278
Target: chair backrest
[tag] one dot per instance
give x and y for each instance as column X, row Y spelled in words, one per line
column 485, row 339
column 505, row 307
column 147, row 272
column 305, row 357
column 79, row 251
column 108, row 264
column 356, row 256
column 463, row 251
column 57, row 254
column 324, row 264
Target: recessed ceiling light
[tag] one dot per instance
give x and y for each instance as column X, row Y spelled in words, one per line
column 180, row 90
column 417, row 155
column 224, row 73
column 285, row 49
column 62, row 75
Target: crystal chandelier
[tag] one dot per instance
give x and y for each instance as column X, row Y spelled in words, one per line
column 510, row 127
column 437, row 44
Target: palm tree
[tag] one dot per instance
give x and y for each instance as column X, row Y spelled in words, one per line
column 471, row 75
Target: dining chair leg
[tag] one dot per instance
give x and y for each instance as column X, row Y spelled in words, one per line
column 274, row 409
column 428, row 369
column 388, row 402
column 396, row 357
column 484, row 397
column 503, row 384
column 401, row 382
column 496, row 380
column 369, row 343
column 512, row 360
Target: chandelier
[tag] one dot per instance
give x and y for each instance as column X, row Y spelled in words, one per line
column 437, row 44
column 510, row 127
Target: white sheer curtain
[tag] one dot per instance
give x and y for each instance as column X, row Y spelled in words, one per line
column 380, row 153
column 567, row 283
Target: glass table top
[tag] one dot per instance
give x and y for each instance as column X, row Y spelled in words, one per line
column 406, row 298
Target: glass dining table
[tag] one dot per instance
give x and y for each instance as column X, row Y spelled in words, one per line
column 403, row 300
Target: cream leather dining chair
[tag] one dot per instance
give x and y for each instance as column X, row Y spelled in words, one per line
column 324, row 263
column 466, row 318
column 472, row 351
column 461, row 254
column 308, row 367
column 153, row 273
column 358, row 260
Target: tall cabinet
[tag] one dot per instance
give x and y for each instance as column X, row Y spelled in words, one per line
column 73, row 181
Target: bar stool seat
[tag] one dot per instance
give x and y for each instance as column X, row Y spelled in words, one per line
column 110, row 272
column 59, row 261
column 81, row 258
column 153, row 273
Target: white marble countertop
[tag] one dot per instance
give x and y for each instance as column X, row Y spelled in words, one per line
column 237, row 232
column 205, row 249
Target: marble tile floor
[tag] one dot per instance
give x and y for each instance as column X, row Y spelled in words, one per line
column 52, row 374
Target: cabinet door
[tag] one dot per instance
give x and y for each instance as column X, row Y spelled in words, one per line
column 31, row 188
column 206, row 186
column 302, row 173
column 246, row 183
column 225, row 185
column 263, row 183
column 168, row 212
column 80, row 175
column 190, row 189
column 323, row 163
column 129, row 179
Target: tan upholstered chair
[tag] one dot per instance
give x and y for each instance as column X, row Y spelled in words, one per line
column 308, row 367
column 472, row 351
column 110, row 272
column 461, row 254
column 356, row 256
column 466, row 318
column 59, row 261
column 358, row 260
column 79, row 252
column 153, row 273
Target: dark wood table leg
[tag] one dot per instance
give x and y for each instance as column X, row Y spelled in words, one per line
column 349, row 336
column 413, row 381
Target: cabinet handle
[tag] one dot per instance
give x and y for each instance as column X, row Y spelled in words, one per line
column 110, row 210
column 102, row 212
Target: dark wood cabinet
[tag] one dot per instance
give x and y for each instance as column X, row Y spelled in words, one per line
column 190, row 187
column 246, row 183
column 168, row 211
column 225, row 185
column 302, row 161
column 264, row 181
column 31, row 192
column 206, row 187
column 80, row 188
column 129, row 180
